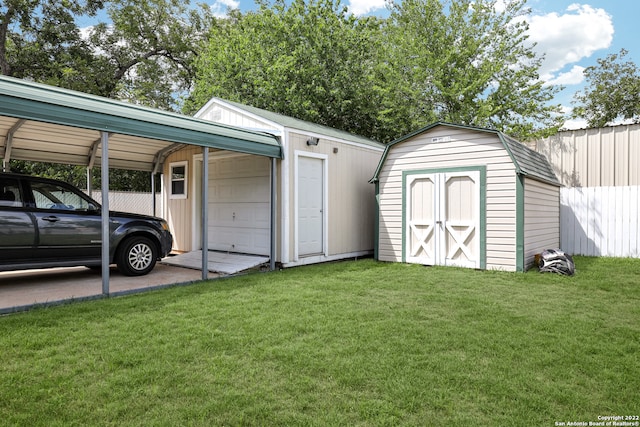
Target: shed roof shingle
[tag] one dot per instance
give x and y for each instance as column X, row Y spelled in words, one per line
column 528, row 161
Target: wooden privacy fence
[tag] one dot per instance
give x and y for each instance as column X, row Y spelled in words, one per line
column 600, row 221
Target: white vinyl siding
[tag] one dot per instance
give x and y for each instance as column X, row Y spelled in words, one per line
column 601, row 221
column 225, row 115
column 464, row 148
column 541, row 213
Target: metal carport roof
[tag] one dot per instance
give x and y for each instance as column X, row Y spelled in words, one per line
column 48, row 124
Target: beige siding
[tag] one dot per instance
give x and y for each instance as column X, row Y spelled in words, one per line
column 179, row 212
column 541, row 218
column 598, row 157
column 464, row 148
column 351, row 199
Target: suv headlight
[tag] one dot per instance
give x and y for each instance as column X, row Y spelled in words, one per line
column 164, row 225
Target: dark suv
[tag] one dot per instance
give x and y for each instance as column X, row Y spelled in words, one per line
column 47, row 223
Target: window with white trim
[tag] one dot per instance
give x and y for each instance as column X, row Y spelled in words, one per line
column 178, row 173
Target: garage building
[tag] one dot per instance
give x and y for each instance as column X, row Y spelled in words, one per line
column 323, row 206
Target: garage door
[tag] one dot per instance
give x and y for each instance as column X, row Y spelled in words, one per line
column 239, row 198
column 443, row 219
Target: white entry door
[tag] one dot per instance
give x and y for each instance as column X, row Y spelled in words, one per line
column 239, row 204
column 442, row 218
column 310, row 200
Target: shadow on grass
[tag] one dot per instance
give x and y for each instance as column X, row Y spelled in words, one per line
column 588, row 263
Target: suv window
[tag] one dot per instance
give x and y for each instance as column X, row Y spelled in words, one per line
column 10, row 192
column 52, row 196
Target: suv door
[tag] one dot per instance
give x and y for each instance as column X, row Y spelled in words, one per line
column 17, row 228
column 68, row 223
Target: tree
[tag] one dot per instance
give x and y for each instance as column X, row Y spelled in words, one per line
column 467, row 62
column 145, row 54
column 39, row 39
column 461, row 61
column 307, row 59
column 612, row 92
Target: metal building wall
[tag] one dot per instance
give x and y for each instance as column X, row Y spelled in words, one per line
column 598, row 157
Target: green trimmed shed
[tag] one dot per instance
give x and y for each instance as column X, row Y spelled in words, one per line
column 464, row 196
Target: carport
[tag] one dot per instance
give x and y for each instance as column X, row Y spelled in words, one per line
column 48, row 124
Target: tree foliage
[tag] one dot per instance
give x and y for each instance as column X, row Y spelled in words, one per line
column 145, row 54
column 468, row 62
column 612, row 92
column 39, row 39
column 308, row 59
column 461, row 61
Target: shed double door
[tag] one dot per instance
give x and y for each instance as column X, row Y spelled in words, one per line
column 442, row 218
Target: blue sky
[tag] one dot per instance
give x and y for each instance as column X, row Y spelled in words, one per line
column 571, row 34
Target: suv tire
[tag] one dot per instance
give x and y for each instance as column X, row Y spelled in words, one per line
column 137, row 256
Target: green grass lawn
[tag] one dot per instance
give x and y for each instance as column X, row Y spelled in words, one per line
column 351, row 343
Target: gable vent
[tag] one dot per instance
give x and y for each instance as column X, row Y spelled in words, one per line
column 441, row 139
column 215, row 115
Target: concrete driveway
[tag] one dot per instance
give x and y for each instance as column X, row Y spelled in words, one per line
column 20, row 290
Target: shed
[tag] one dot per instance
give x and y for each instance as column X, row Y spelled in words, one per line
column 323, row 207
column 465, row 196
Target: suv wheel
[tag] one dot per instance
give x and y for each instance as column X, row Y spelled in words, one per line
column 137, row 256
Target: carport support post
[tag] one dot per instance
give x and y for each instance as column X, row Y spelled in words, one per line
column 89, row 184
column 105, row 212
column 204, row 214
column 153, row 193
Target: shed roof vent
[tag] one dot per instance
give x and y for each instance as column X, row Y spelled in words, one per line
column 441, row 139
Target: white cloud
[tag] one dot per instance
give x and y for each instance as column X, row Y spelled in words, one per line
column 362, row 7
column 573, row 77
column 500, row 6
column 229, row 3
column 85, row 32
column 569, row 37
column 219, row 7
column 573, row 124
